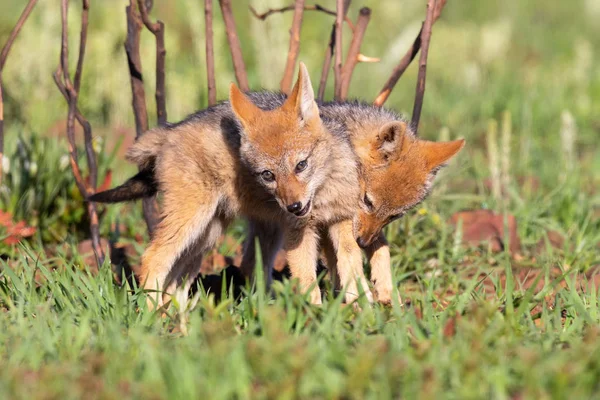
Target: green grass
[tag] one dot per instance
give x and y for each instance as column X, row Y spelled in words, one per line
column 66, row 332
column 473, row 329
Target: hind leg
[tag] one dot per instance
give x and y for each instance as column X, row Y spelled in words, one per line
column 187, row 275
column 270, row 239
column 180, row 227
column 175, row 285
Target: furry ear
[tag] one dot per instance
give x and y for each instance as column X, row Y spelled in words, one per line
column 390, row 139
column 242, row 106
column 302, row 98
column 437, row 153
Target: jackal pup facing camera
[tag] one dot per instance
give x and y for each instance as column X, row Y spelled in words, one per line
column 397, row 170
column 275, row 164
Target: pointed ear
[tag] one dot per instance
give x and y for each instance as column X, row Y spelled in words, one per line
column 438, row 153
column 390, row 139
column 302, row 98
column 242, row 106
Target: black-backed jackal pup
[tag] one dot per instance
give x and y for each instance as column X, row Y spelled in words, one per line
column 396, row 173
column 279, row 156
column 278, row 164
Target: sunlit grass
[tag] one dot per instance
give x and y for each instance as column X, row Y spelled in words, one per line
column 472, row 329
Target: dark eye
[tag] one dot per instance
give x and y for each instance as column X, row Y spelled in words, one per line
column 301, row 166
column 267, row 176
column 368, row 202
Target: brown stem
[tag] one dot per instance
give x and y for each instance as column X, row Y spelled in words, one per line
column 210, row 54
column 3, row 55
column 354, row 50
column 288, row 74
column 158, row 30
column 405, row 61
column 132, row 48
column 234, row 45
column 15, row 32
column 328, row 57
column 71, row 94
column 337, row 68
column 420, row 92
column 87, row 129
column 315, row 7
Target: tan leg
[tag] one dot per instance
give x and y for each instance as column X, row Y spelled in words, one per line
column 190, row 267
column 270, row 238
column 301, row 246
column 349, row 260
column 180, row 228
column 187, row 269
column 378, row 255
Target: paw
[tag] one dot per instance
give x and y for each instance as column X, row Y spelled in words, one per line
column 315, row 296
column 384, row 296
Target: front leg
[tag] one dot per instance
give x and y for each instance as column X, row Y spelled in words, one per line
column 349, row 260
column 378, row 255
column 301, row 246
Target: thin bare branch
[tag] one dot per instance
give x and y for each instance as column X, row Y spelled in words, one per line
column 420, row 91
column 158, row 30
column 288, row 74
column 315, row 7
column 405, row 61
column 132, row 48
column 326, row 65
column 15, row 32
column 337, row 67
column 234, row 45
column 329, row 56
column 3, row 56
column 210, row 53
column 354, row 50
column 70, row 92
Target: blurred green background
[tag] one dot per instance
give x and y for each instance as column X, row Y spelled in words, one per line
column 534, row 62
column 534, row 58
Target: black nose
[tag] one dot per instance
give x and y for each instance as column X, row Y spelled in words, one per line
column 295, row 207
column 362, row 242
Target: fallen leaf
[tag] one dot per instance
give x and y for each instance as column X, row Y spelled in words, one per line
column 485, row 226
column 15, row 231
column 555, row 241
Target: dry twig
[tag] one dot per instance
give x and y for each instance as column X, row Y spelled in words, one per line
column 353, row 53
column 420, row 92
column 132, row 49
column 158, row 30
column 210, row 54
column 406, row 60
column 3, row 55
column 288, row 74
column 71, row 92
column 315, row 7
column 328, row 57
column 337, row 67
column 234, row 45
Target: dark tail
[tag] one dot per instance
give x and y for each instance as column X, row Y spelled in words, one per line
column 137, row 187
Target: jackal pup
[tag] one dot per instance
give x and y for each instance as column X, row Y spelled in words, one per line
column 279, row 165
column 397, row 170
